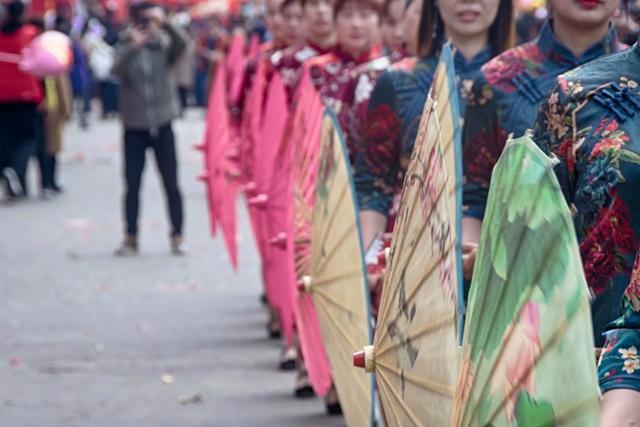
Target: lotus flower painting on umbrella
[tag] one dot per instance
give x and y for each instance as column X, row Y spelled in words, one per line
column 337, row 275
column 527, row 355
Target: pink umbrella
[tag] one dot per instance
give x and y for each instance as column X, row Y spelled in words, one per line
column 274, row 153
column 235, row 66
column 221, row 172
column 306, row 129
column 251, row 136
column 49, row 54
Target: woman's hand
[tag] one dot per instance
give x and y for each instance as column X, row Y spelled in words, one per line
column 469, row 251
column 620, row 408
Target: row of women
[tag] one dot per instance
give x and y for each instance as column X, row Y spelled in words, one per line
column 372, row 67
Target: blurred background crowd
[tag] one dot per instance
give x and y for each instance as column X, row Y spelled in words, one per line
column 90, row 90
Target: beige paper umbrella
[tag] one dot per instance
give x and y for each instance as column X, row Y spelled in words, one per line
column 337, row 281
column 415, row 353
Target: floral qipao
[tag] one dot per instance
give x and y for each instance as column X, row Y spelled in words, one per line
column 265, row 52
column 392, row 121
column 505, row 99
column 366, row 77
column 620, row 360
column 591, row 123
column 288, row 62
column 334, row 77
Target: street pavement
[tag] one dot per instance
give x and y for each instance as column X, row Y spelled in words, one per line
column 88, row 339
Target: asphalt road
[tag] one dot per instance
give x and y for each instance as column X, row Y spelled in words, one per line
column 88, row 339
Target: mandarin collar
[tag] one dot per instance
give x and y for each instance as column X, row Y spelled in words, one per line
column 551, row 47
column 463, row 64
column 320, row 49
column 344, row 56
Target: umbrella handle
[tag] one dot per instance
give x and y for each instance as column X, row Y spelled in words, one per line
column 12, row 58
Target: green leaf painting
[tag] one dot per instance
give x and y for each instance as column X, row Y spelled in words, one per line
column 528, row 350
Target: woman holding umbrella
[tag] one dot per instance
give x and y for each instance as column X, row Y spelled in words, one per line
column 479, row 30
column 589, row 122
column 508, row 92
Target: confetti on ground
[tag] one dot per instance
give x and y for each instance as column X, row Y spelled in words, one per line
column 197, row 399
column 167, row 379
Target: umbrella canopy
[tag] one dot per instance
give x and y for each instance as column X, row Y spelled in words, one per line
column 249, row 147
column 300, row 214
column 528, row 346
column 337, row 278
column 221, row 172
column 415, row 353
column 272, row 197
column 444, row 92
column 212, row 146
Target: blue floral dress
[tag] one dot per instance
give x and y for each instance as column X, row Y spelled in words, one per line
column 390, row 130
column 591, row 123
column 505, row 99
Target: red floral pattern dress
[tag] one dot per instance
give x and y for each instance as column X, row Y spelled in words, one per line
column 505, row 99
column 334, row 76
column 288, row 62
column 591, row 123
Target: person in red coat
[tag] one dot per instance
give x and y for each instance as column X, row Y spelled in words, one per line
column 20, row 95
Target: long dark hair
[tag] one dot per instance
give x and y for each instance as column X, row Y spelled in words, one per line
column 431, row 30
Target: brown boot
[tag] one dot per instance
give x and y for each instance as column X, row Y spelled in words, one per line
column 129, row 246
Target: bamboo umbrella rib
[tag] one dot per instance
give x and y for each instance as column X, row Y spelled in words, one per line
column 429, row 327
column 424, row 277
column 332, row 251
column 331, row 299
column 398, row 399
column 338, row 325
column 436, row 387
column 407, row 260
column 334, row 215
column 335, row 278
column 389, row 408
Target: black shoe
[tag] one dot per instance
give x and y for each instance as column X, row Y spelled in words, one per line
column 334, row 409
column 303, row 389
column 263, row 298
column 288, row 359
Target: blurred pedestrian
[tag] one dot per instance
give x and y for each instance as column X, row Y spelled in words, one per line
column 20, row 94
column 148, row 104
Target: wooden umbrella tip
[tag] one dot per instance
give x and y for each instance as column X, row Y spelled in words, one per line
column 199, row 146
column 365, row 358
column 358, row 359
column 204, row 176
column 304, row 284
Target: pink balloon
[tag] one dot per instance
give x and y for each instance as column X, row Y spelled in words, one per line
column 49, row 54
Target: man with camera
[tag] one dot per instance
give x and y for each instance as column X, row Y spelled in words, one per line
column 148, row 104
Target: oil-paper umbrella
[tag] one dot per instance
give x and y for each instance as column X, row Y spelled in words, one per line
column 211, row 146
column 527, row 357
column 249, row 139
column 306, row 160
column 221, row 171
column 272, row 175
column 415, row 353
column 337, row 278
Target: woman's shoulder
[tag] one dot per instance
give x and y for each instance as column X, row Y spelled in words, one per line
column 501, row 71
